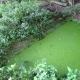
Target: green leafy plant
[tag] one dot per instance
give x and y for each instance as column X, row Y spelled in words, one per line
column 72, row 74
column 13, row 72
column 41, row 71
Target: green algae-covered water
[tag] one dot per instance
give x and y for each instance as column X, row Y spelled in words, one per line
column 61, row 48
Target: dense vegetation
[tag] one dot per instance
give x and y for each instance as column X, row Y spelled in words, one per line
column 18, row 21
column 41, row 71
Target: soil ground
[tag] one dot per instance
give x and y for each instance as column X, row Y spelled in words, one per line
column 53, row 7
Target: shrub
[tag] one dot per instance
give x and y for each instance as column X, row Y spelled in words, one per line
column 12, row 13
column 13, row 72
column 41, row 71
column 19, row 19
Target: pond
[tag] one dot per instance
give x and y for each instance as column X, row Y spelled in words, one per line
column 61, row 48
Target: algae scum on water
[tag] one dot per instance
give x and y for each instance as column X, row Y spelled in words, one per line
column 61, row 48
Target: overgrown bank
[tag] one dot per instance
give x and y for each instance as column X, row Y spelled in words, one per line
column 18, row 21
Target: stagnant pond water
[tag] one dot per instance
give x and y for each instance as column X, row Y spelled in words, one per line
column 61, row 48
